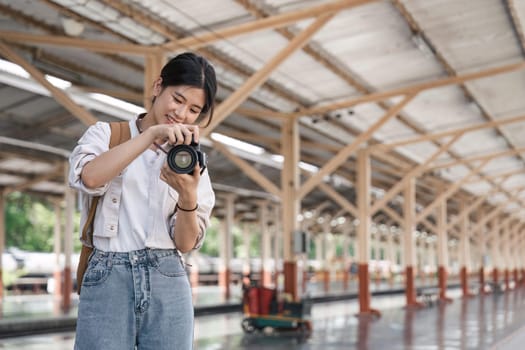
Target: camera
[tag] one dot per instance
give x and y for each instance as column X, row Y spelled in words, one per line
column 182, row 159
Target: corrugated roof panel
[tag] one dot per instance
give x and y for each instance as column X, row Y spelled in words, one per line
column 468, row 34
column 478, row 188
column 516, row 133
column 418, row 152
column 502, row 165
column 301, row 73
column 514, row 181
column 478, row 142
column 327, row 128
column 32, row 8
column 194, row 15
column 376, row 43
column 25, row 166
column 442, row 109
column 488, row 92
column 25, row 113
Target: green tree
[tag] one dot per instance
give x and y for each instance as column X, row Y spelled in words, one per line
column 211, row 242
column 29, row 223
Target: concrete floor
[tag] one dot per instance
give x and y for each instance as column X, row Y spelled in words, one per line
column 482, row 322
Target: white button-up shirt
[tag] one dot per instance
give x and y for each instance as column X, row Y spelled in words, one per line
column 137, row 207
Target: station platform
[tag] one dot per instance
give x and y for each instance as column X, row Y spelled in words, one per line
column 489, row 321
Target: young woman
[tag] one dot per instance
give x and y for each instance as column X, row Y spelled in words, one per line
column 135, row 292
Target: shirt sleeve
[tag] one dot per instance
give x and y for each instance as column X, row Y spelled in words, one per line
column 94, row 142
column 206, row 201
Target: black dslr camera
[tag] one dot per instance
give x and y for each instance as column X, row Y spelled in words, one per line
column 182, row 159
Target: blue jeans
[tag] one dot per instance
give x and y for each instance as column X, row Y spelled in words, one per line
column 135, row 300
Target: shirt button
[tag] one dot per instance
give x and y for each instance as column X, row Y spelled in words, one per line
column 112, row 228
column 114, row 200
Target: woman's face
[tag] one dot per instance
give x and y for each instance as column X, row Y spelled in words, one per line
column 177, row 104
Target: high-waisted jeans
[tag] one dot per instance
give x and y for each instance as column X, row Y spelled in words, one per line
column 135, row 300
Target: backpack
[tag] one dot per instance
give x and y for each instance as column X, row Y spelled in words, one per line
column 120, row 133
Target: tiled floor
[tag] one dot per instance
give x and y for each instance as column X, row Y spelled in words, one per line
column 482, row 322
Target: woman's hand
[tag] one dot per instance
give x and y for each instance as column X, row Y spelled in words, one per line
column 185, row 184
column 174, row 134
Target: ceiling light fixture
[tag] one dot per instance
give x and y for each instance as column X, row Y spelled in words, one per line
column 72, row 27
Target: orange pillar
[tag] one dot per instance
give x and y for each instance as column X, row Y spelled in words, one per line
column 363, row 230
column 326, row 280
column 410, row 287
column 495, row 275
column 515, row 272
column 290, row 278
column 442, row 282
column 68, row 288
column 346, row 278
column 225, row 250
column 482, row 279
column 507, row 279
column 57, row 248
column 464, row 281
column 266, row 271
column 464, row 252
column 409, row 241
column 442, row 250
column 364, row 290
column 224, row 282
column 290, row 202
column 68, row 244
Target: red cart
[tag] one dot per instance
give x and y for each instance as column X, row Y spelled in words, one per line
column 262, row 310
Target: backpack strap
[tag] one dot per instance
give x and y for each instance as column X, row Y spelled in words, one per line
column 120, row 133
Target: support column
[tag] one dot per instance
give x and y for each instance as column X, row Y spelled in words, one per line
column 432, row 259
column 266, row 271
column 346, row 257
column 68, row 242
column 277, row 246
column 515, row 254
column 390, row 254
column 409, row 241
column 57, row 249
column 326, row 257
column 225, row 251
column 442, row 246
column 506, row 250
column 495, row 247
column 375, row 244
column 464, row 253
column 290, row 202
column 246, row 268
column 331, row 257
column 482, row 251
column 363, row 230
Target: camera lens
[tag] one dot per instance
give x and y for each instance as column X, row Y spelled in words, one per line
column 182, row 159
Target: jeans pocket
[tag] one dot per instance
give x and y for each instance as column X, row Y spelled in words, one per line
column 97, row 272
column 170, row 266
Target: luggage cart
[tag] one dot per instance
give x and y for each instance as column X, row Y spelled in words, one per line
column 262, row 312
